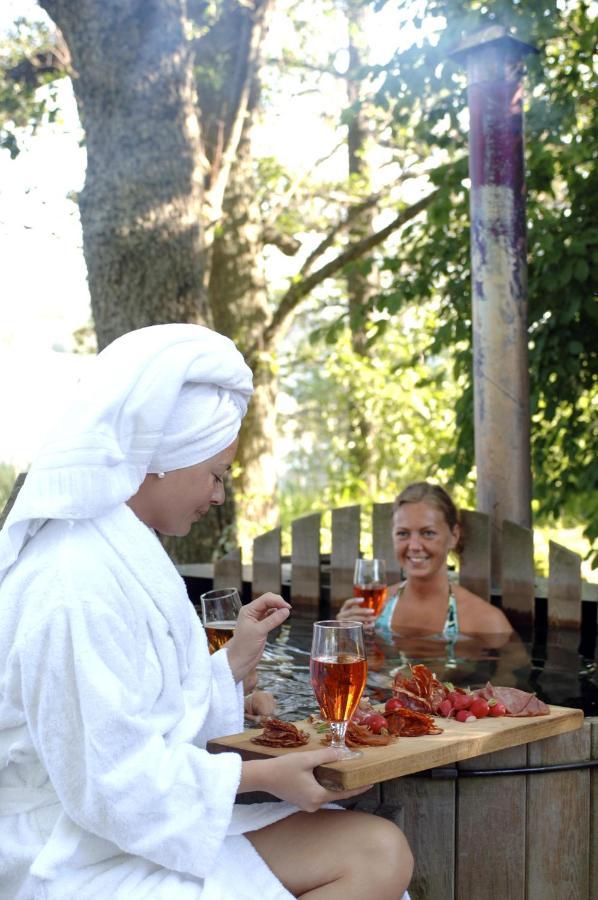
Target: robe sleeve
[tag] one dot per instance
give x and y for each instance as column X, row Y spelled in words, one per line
column 113, row 771
column 226, row 710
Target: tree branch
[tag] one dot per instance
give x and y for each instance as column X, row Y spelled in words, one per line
column 352, row 214
column 248, row 65
column 286, row 243
column 300, row 289
column 55, row 60
column 287, row 62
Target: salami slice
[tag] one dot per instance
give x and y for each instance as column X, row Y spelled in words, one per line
column 360, row 735
column 277, row 733
column 411, row 723
column 420, row 691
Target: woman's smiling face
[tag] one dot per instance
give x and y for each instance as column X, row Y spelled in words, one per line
column 422, row 539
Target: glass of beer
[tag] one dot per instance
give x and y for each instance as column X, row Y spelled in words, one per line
column 369, row 582
column 338, row 671
column 219, row 611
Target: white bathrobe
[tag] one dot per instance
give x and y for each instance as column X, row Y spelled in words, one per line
column 107, row 697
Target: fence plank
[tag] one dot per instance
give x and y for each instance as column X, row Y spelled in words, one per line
column 346, row 532
column 558, row 820
column 428, row 808
column 12, row 497
column 305, row 563
column 593, row 723
column 564, row 586
column 505, row 796
column 267, row 572
column 474, row 568
column 517, row 567
column 228, row 571
column 382, row 540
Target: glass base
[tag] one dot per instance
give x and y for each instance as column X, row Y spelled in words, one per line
column 337, row 731
column 347, row 753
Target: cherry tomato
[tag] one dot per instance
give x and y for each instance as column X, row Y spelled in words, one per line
column 460, row 700
column 464, row 715
column 392, row 704
column 375, row 722
column 498, row 709
column 479, row 708
column 445, row 708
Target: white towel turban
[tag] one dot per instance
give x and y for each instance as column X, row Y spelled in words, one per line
column 156, row 399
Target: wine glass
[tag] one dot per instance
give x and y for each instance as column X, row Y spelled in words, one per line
column 219, row 612
column 369, row 582
column 338, row 671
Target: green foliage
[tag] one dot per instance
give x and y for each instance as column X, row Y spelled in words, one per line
column 365, row 426
column 351, row 423
column 27, row 82
column 418, row 101
column 426, row 93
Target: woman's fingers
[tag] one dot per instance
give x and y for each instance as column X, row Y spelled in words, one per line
column 353, row 609
column 294, row 777
column 255, row 620
column 313, row 758
column 260, row 703
column 267, row 612
column 267, row 604
column 336, row 794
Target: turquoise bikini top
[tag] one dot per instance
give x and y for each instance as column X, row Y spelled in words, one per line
column 451, row 624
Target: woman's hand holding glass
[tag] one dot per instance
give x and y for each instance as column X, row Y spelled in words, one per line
column 354, row 610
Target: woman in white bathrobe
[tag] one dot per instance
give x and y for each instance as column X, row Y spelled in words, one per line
column 108, row 693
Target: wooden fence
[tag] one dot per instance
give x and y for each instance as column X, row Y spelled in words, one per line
column 565, row 593
column 570, row 601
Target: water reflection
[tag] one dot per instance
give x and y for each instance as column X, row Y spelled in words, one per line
column 551, row 667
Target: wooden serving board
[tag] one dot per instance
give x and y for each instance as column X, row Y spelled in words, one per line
column 406, row 755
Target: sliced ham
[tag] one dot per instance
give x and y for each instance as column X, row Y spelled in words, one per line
column 516, row 702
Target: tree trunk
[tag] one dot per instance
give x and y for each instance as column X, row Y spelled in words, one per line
column 155, row 191
column 228, row 60
column 360, row 284
column 237, row 287
column 141, row 207
column 171, row 223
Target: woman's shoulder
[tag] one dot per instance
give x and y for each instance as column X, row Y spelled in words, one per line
column 63, row 568
column 479, row 615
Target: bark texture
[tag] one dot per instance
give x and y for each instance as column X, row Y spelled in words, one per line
column 141, row 207
column 360, row 284
column 171, row 225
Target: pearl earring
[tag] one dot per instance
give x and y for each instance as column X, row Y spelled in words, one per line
column 160, row 474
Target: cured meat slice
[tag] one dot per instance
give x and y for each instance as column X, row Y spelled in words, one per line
column 420, row 691
column 360, row 735
column 516, row 702
column 277, row 733
column 411, row 723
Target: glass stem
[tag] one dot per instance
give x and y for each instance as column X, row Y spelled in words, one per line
column 337, row 730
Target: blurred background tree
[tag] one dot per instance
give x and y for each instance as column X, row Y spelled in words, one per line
column 345, row 281
column 8, row 475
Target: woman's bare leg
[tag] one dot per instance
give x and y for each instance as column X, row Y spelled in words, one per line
column 331, row 854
